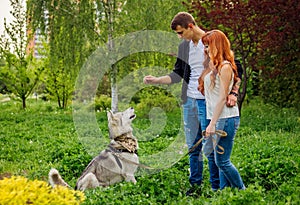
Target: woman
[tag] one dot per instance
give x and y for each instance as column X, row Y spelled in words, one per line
column 216, row 83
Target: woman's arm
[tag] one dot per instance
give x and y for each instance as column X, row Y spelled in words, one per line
column 225, row 78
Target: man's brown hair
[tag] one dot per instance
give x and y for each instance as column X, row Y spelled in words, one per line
column 182, row 19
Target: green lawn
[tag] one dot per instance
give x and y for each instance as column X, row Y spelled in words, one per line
column 266, row 152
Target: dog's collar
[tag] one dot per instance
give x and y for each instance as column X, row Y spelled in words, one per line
column 121, row 136
column 113, row 149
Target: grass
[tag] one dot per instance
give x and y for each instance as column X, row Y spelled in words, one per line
column 266, row 152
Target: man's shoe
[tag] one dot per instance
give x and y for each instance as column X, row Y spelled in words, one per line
column 194, row 191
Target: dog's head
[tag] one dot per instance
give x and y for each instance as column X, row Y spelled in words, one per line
column 120, row 123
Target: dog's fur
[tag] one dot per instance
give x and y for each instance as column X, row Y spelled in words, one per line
column 116, row 163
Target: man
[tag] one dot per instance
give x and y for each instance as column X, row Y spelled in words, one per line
column 189, row 66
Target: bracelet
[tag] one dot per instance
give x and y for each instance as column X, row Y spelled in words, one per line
column 233, row 93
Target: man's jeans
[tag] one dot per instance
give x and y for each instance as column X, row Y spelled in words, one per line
column 194, row 117
column 229, row 175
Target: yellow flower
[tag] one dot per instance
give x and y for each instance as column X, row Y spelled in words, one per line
column 19, row 190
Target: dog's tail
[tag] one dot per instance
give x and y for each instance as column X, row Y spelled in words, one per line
column 55, row 179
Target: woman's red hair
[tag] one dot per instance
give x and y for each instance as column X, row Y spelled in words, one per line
column 219, row 51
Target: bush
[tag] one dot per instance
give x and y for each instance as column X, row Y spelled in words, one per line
column 281, row 87
column 103, row 102
column 155, row 97
column 19, row 190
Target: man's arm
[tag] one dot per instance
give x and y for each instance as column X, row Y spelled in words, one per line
column 233, row 96
column 234, row 93
column 149, row 79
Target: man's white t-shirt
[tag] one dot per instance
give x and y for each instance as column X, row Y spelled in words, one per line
column 196, row 58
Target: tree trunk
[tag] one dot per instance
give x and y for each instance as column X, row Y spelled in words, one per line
column 114, row 97
column 114, row 90
column 113, row 77
column 24, row 102
column 242, row 94
column 58, row 101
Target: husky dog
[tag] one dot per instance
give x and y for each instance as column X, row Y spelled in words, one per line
column 118, row 162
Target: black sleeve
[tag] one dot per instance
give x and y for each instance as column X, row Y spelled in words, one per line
column 239, row 68
column 178, row 71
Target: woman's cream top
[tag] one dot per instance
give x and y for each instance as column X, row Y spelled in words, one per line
column 212, row 97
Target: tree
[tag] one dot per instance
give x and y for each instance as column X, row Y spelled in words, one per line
column 110, row 10
column 279, row 52
column 21, row 72
column 2, row 85
column 69, row 28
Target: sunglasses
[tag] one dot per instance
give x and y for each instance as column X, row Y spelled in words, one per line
column 179, row 32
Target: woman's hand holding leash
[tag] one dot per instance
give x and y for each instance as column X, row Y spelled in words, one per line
column 211, row 129
column 220, row 133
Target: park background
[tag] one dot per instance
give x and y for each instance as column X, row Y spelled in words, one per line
column 44, row 50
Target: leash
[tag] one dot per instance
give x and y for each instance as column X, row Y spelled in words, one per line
column 220, row 133
column 117, row 154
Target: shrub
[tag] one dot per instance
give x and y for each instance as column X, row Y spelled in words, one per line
column 19, row 190
column 281, row 87
column 159, row 98
column 103, row 102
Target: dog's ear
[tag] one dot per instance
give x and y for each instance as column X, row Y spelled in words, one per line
column 110, row 115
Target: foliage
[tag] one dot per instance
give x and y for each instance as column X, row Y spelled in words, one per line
column 21, row 72
column 279, row 53
column 150, row 98
column 69, row 28
column 19, row 190
column 265, row 35
column 41, row 126
column 74, row 29
column 281, row 86
column 152, row 15
column 260, row 116
column 121, row 18
column 134, row 68
column 266, row 153
column 102, row 103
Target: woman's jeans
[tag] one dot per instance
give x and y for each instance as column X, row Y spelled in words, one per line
column 194, row 117
column 229, row 175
